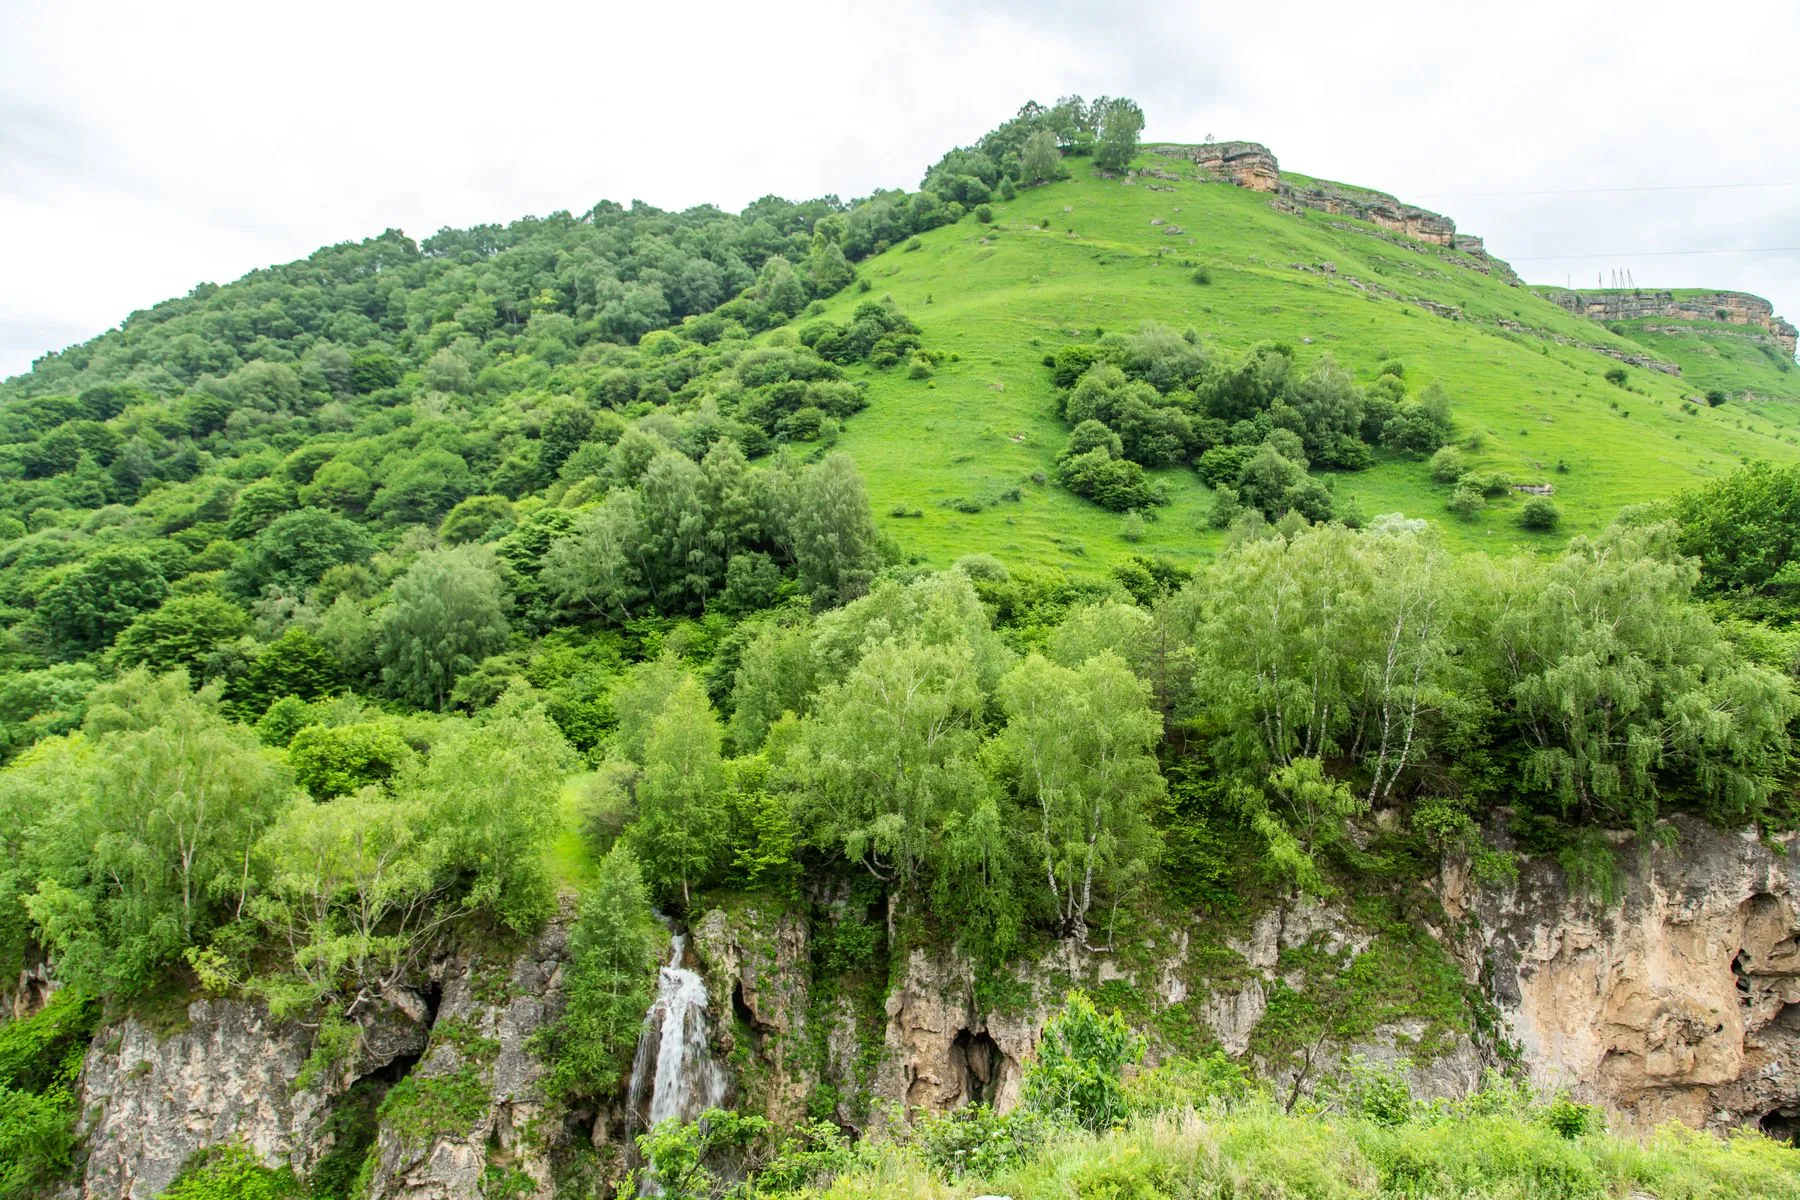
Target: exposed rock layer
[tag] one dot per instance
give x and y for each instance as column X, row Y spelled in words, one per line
column 1683, row 1003
column 1730, row 308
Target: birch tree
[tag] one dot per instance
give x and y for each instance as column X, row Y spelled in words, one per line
column 1079, row 743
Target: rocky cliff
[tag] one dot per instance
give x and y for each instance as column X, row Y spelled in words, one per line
column 1252, row 165
column 1729, row 308
column 1679, row 1002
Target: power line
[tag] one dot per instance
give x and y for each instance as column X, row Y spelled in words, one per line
column 1666, row 187
column 1655, row 253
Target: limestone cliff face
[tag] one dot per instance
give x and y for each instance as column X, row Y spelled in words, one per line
column 150, row 1099
column 1683, row 1003
column 476, row 1092
column 1732, row 308
column 1252, row 165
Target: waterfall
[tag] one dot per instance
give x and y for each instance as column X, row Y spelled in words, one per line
column 673, row 1069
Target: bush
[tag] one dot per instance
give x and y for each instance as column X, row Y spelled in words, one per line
column 1080, row 1066
column 984, row 213
column 232, row 1172
column 977, row 1141
column 1448, row 465
column 1540, row 515
column 1716, row 396
column 1466, row 501
column 1202, row 276
column 1617, row 376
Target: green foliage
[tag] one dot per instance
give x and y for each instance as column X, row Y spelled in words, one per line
column 608, row 984
column 295, row 549
column 685, row 1160
column 335, row 760
column 1540, row 514
column 422, row 1107
column 446, row 615
column 142, row 829
column 978, row 1142
column 1078, row 1073
column 232, row 1172
column 85, row 608
column 183, row 633
column 40, row 1067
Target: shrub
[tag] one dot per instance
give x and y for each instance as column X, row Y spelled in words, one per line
column 1540, row 514
column 232, row 1172
column 976, row 1140
column 1079, row 1070
column 1617, row 376
column 1202, row 276
column 1448, row 465
column 984, row 213
column 1715, row 396
column 1466, row 501
column 1132, row 527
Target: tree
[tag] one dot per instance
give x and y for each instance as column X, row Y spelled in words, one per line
column 681, row 568
column 294, row 550
column 491, row 789
column 294, row 664
column 890, row 752
column 340, row 485
column 90, row 604
column 598, row 567
column 1120, row 122
column 448, row 612
column 336, row 760
column 1079, row 744
column 1042, row 160
column 184, row 632
column 1619, row 687
column 830, row 270
column 836, row 547
column 608, row 984
column 353, row 893
column 680, row 792
column 1745, row 530
column 1303, row 812
column 147, row 828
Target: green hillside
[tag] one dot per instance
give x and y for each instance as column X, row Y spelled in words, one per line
column 1003, row 295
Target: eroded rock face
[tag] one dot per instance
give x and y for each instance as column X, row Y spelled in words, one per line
column 757, row 964
column 150, row 1100
column 1683, row 1003
column 478, row 1085
column 941, row 1050
column 1732, row 308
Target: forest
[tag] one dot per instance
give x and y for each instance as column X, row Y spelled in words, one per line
column 339, row 601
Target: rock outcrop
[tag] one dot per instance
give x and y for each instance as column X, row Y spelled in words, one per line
column 1253, row 166
column 1729, row 308
column 1681, row 1003
column 475, row 1095
column 232, row 1073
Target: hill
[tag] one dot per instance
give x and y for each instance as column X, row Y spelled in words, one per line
column 1058, row 263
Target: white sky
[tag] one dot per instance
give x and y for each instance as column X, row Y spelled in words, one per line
column 147, row 147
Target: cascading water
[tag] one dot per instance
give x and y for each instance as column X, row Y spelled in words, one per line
column 674, row 1074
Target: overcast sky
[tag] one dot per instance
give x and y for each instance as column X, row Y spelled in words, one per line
column 146, row 148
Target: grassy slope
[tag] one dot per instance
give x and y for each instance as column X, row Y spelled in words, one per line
column 1002, row 296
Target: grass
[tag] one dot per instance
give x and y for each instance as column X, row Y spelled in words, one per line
column 997, row 298
column 569, row 858
column 1259, row 1151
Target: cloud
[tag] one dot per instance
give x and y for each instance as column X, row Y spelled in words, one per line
column 145, row 148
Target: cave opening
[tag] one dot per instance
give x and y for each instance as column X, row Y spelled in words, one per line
column 979, row 1058
column 1740, row 967
column 1782, row 1124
